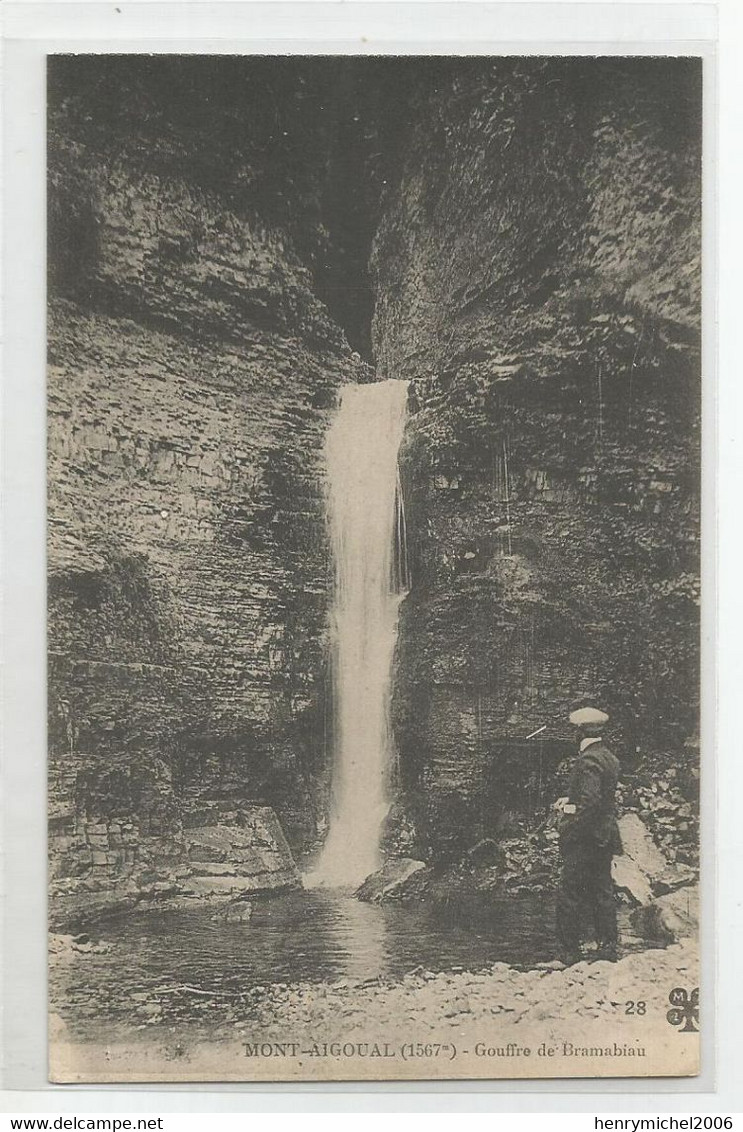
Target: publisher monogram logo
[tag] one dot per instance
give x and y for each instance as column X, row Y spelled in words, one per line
column 684, row 1008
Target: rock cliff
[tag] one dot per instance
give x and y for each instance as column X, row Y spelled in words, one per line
column 537, row 278
column 192, row 370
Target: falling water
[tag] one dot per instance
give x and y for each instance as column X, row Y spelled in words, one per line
column 367, row 526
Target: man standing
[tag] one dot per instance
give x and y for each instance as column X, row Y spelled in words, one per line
column 589, row 838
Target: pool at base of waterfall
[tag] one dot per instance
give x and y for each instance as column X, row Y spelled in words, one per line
column 293, row 937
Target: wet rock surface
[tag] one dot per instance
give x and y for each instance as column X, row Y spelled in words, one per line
column 390, row 882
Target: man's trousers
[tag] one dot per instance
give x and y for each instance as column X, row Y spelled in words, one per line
column 586, row 896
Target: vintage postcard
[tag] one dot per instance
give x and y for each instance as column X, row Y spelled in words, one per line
column 374, row 397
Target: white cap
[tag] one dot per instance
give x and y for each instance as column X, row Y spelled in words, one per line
column 588, row 715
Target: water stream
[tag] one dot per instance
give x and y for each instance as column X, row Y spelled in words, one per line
column 292, row 937
column 367, row 527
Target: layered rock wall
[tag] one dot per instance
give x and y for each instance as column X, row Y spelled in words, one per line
column 537, row 280
column 191, row 374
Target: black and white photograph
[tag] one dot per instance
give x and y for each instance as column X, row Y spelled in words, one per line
column 374, row 459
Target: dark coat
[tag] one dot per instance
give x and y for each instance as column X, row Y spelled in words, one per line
column 592, row 790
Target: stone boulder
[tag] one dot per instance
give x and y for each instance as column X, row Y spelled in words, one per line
column 236, row 912
column 639, row 846
column 231, row 859
column 665, row 899
column 389, row 881
column 631, row 881
column 673, row 877
column 670, row 917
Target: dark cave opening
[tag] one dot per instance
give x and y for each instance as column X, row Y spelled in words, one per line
column 314, row 145
column 307, row 144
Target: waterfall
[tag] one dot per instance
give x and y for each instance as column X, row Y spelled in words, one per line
column 367, row 528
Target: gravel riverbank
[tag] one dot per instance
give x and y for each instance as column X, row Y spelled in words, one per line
column 616, row 1012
